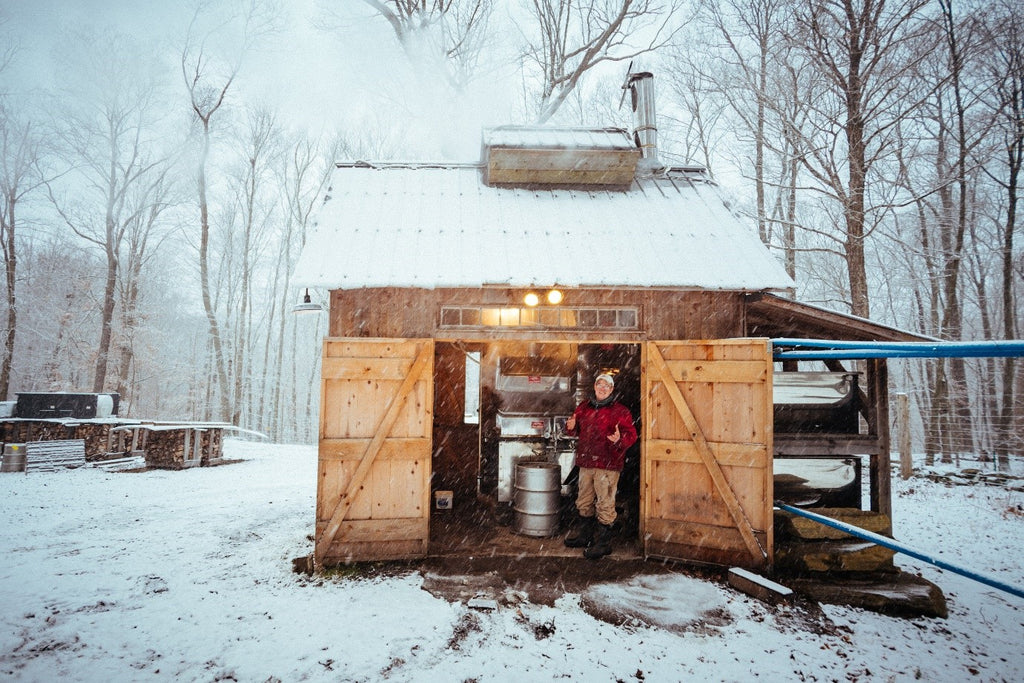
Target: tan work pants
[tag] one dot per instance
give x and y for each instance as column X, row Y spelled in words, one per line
column 597, row 494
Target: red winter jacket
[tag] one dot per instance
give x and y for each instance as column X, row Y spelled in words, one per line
column 593, row 426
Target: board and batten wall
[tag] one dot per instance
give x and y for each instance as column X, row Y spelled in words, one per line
column 405, row 313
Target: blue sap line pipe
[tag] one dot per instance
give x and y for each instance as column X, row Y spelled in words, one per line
column 887, row 542
column 809, row 349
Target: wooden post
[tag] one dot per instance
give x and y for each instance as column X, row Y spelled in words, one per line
column 881, row 468
column 903, row 422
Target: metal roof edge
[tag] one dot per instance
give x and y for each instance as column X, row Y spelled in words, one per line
column 413, row 165
column 809, row 315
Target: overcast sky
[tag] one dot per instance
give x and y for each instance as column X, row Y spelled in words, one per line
column 333, row 64
column 290, row 64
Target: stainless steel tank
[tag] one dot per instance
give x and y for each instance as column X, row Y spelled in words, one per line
column 537, row 498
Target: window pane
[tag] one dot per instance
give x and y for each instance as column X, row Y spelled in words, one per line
column 490, row 317
column 471, row 414
column 543, row 316
column 450, row 316
column 509, row 317
column 549, row 317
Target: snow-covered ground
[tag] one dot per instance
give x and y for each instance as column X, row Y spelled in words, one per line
column 187, row 576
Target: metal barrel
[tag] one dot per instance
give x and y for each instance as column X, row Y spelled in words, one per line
column 14, row 458
column 537, row 498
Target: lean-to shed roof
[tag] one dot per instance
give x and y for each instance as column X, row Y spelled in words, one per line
column 440, row 225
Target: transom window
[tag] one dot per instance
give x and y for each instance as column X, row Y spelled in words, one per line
column 556, row 317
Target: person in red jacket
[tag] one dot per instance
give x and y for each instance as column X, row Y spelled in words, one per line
column 605, row 430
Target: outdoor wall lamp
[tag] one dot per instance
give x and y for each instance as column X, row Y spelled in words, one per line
column 307, row 305
column 531, row 299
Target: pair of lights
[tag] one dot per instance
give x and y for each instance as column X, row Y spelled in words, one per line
column 554, row 297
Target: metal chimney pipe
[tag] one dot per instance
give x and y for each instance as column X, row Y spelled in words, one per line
column 645, row 134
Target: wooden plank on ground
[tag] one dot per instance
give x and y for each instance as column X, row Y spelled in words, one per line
column 117, row 464
column 758, row 586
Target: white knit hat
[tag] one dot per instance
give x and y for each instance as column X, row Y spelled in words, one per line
column 606, row 377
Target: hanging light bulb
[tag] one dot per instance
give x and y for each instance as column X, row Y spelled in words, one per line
column 307, row 305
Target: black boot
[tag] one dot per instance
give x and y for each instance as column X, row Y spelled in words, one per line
column 602, row 543
column 584, row 534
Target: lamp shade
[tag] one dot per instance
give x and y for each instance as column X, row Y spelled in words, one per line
column 307, row 305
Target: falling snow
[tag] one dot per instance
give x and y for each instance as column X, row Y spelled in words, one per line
column 187, row 575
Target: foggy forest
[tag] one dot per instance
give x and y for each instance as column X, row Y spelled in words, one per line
column 160, row 169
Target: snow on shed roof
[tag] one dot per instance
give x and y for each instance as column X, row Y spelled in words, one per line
column 438, row 225
column 553, row 136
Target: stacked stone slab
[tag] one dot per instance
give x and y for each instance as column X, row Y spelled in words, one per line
column 804, row 546
column 831, row 566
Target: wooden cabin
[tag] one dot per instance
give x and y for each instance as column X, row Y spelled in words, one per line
column 471, row 305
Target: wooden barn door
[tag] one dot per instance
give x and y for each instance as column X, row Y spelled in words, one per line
column 707, row 461
column 373, row 480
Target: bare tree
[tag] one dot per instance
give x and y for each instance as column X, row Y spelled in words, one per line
column 757, row 23
column 741, row 57
column 954, row 220
column 1005, row 68
column 304, row 174
column 20, row 154
column 447, row 35
column 695, row 82
column 109, row 133
column 57, row 333
column 569, row 38
column 860, row 48
column 208, row 81
column 259, row 148
column 141, row 236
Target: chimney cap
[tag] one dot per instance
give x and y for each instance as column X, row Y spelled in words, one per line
column 638, row 76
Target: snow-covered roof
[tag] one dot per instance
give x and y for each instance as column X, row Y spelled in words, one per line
column 438, row 225
column 553, row 136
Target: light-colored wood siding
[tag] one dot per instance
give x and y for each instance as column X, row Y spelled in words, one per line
column 706, row 468
column 517, row 166
column 373, row 484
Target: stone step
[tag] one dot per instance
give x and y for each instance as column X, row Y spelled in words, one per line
column 792, row 526
column 832, row 556
column 893, row 593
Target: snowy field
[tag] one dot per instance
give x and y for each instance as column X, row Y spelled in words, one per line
column 187, row 576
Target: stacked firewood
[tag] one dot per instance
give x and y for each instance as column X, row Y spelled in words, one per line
column 175, row 448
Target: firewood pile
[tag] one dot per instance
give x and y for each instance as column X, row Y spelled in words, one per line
column 25, row 431
column 179, row 447
column 163, row 445
column 95, row 434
